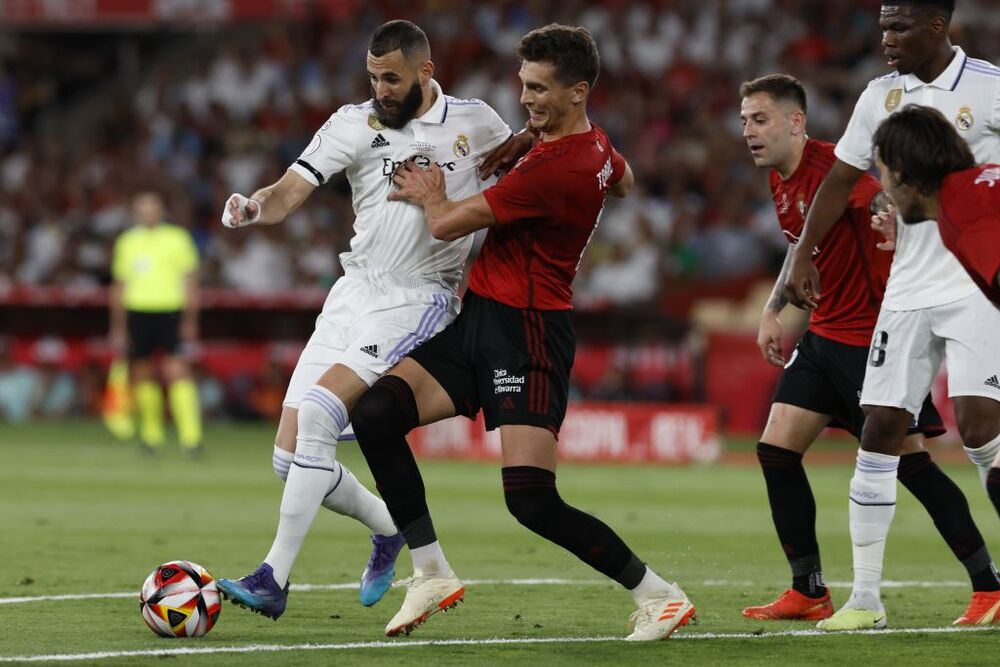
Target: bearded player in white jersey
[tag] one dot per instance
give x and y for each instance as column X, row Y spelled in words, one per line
column 931, row 309
column 398, row 289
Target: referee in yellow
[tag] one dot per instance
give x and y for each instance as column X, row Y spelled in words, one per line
column 154, row 308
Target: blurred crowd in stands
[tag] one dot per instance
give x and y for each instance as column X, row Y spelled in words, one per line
column 203, row 114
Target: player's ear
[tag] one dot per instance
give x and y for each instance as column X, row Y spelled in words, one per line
column 798, row 120
column 426, row 71
column 937, row 25
column 579, row 92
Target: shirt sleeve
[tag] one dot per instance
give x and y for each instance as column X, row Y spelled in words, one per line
column 855, row 147
column 617, row 166
column 524, row 194
column 495, row 130
column 331, row 150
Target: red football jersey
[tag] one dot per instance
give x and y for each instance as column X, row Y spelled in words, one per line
column 969, row 222
column 546, row 208
column 852, row 271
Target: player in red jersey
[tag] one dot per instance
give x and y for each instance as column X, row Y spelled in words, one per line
column 931, row 174
column 820, row 384
column 965, row 195
column 510, row 350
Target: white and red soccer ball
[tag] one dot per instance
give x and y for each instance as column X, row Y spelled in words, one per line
column 180, row 599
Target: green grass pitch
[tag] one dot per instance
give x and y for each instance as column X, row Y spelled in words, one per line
column 82, row 514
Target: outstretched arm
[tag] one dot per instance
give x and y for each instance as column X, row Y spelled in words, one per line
column 268, row 205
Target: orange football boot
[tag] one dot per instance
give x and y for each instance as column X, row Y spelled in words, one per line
column 983, row 609
column 793, row 606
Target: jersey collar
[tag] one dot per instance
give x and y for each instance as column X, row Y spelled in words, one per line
column 947, row 80
column 439, row 110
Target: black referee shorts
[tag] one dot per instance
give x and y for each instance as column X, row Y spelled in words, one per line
column 825, row 376
column 151, row 332
column 513, row 363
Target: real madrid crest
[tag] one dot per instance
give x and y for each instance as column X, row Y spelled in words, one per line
column 461, row 146
column 964, row 119
column 893, row 98
column 375, row 123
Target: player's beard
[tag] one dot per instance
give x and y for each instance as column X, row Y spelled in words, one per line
column 401, row 113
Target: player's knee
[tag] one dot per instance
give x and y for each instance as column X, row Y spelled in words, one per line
column 386, row 412
column 978, row 434
column 532, row 510
column 978, row 420
column 771, row 456
column 316, row 443
column 884, row 430
column 531, row 496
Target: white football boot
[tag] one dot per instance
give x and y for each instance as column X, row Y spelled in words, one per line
column 426, row 594
column 659, row 618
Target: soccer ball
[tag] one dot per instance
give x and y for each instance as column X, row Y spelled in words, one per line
column 180, row 599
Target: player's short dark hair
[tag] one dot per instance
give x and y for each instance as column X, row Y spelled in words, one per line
column 570, row 49
column 922, row 147
column 942, row 7
column 782, row 87
column 402, row 35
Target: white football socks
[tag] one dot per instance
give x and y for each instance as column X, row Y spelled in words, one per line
column 281, row 461
column 314, row 473
column 872, row 505
column 983, row 457
column 653, row 587
column 430, row 559
column 351, row 498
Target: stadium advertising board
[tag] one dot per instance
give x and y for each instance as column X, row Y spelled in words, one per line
column 594, row 432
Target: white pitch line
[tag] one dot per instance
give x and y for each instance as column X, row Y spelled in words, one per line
column 272, row 648
column 305, row 588
column 846, row 584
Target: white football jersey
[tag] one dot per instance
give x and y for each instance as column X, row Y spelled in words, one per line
column 924, row 273
column 391, row 237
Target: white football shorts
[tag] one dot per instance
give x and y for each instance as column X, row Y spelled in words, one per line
column 908, row 346
column 368, row 328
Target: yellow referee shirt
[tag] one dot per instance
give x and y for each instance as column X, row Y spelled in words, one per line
column 151, row 263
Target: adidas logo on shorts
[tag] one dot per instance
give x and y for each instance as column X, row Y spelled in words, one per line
column 379, row 141
column 371, row 350
column 993, row 382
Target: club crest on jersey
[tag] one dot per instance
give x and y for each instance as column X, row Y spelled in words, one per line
column 375, row 123
column 461, row 146
column 988, row 176
column 801, row 205
column 893, row 98
column 964, row 120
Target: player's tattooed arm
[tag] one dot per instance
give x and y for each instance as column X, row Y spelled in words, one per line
column 880, row 202
column 779, row 295
column 769, row 333
column 884, row 220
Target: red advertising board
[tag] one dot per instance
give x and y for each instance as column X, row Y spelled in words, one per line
column 594, row 432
